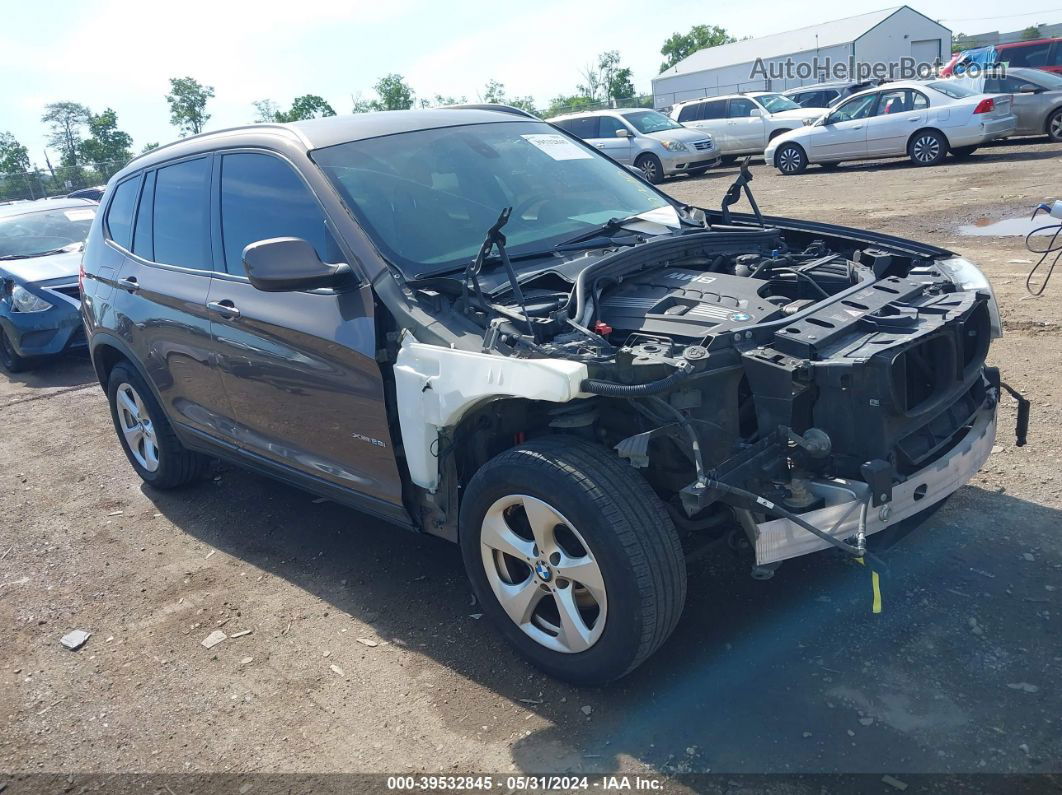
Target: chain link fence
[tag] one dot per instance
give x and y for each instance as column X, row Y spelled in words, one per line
column 58, row 181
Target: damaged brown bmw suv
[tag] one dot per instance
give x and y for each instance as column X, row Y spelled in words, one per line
column 470, row 324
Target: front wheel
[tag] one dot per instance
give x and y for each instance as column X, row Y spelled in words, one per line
column 651, row 167
column 11, row 360
column 927, row 148
column 790, row 159
column 1054, row 125
column 573, row 557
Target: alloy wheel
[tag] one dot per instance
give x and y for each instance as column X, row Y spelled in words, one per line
column 137, row 427
column 926, row 149
column 1055, row 128
column 649, row 169
column 543, row 574
column 790, row 159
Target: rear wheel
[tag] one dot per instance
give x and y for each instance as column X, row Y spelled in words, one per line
column 927, row 148
column 790, row 159
column 12, row 362
column 651, row 168
column 1054, row 125
column 960, row 152
column 146, row 435
column 573, row 557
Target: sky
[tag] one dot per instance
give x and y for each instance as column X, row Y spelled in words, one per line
column 120, row 53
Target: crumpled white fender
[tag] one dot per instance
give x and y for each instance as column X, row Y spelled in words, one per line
column 436, row 387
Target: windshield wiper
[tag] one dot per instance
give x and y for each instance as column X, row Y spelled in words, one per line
column 495, row 239
column 607, row 229
column 35, row 254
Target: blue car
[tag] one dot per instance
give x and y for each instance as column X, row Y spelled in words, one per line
column 40, row 301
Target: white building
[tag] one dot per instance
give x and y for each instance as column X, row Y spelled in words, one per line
column 891, row 39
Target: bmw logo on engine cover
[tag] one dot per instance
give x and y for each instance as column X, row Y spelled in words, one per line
column 543, row 571
column 740, row 317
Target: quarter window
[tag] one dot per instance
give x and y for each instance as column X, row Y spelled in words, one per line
column 181, row 227
column 120, row 212
column 142, row 235
column 262, row 197
column 584, row 127
column 691, row 112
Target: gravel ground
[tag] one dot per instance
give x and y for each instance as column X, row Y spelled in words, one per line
column 364, row 652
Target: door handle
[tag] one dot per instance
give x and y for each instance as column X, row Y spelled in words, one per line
column 600, row 146
column 860, row 127
column 224, row 308
column 130, row 283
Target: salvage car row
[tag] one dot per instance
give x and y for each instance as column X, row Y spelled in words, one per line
column 471, row 324
column 924, row 120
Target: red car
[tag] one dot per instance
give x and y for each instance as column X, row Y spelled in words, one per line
column 1045, row 54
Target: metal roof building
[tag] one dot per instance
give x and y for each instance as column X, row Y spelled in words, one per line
column 807, row 55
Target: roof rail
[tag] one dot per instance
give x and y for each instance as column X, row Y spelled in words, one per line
column 492, row 106
column 206, row 133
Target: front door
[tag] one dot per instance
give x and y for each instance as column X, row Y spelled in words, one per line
column 745, row 126
column 299, row 368
column 605, row 139
column 845, row 133
column 898, row 114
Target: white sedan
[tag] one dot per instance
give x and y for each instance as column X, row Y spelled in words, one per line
column 920, row 120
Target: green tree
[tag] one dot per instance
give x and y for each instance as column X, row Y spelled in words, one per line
column 441, row 101
column 188, row 98
column 392, row 93
column 65, row 122
column 14, row 157
column 681, row 45
column 567, row 104
column 308, row 106
column 615, row 78
column 494, row 93
column 149, row 146
column 107, row 147
column 1031, row 33
column 16, row 178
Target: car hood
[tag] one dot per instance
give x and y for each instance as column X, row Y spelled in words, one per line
column 43, row 269
column 686, row 135
column 799, row 113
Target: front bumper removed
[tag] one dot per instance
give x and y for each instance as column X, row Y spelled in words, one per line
column 780, row 539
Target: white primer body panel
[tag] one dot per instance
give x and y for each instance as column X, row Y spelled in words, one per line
column 435, row 387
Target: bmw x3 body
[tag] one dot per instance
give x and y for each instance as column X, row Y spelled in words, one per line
column 470, row 324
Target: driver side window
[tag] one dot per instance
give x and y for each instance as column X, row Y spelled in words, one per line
column 858, row 108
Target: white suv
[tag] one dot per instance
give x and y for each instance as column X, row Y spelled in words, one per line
column 742, row 124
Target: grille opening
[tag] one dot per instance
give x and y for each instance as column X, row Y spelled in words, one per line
column 922, row 371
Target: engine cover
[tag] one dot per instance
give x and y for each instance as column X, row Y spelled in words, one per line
column 678, row 302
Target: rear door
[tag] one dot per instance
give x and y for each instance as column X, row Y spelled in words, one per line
column 898, row 114
column 299, row 368
column 745, row 126
column 161, row 294
column 607, row 141
column 845, row 133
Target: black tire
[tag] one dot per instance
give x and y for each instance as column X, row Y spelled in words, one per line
column 1053, row 126
column 829, row 166
column 962, row 152
column 11, row 361
column 651, row 167
column 728, row 160
column 698, row 172
column 791, row 159
column 626, row 530
column 927, row 148
column 177, row 466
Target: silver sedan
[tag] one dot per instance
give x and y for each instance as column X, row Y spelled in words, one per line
column 1036, row 98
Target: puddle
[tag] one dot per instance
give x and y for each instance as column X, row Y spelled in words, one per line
column 986, row 227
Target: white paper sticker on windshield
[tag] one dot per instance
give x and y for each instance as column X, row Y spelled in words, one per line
column 557, row 146
column 80, row 215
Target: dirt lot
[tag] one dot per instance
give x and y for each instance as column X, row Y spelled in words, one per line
column 960, row 673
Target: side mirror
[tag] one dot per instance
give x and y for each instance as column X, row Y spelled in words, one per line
column 822, row 121
column 1028, row 88
column 623, row 132
column 755, row 113
column 289, row 264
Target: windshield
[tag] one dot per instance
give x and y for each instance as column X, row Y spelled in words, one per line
column 649, row 121
column 36, row 233
column 953, row 89
column 776, row 103
column 429, row 197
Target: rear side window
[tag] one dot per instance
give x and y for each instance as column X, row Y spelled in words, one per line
column 263, row 197
column 714, row 110
column 586, row 127
column 181, row 225
column 1034, row 55
column 691, row 112
column 120, row 212
column 142, row 233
